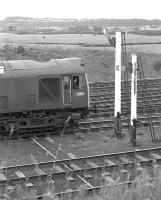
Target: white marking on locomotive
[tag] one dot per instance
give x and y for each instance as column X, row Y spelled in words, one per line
column 70, row 92
column 1, row 69
column 87, row 88
column 80, row 94
column 62, row 91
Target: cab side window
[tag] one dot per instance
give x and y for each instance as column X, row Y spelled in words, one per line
column 78, row 82
column 66, row 82
column 75, row 82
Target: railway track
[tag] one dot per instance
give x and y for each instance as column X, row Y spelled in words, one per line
column 102, row 95
column 103, row 124
column 93, row 172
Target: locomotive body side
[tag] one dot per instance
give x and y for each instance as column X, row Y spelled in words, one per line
column 30, row 89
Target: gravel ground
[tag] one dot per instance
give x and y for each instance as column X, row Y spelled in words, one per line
column 93, row 143
column 99, row 143
column 15, row 152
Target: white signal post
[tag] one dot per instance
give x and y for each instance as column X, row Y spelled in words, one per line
column 133, row 99
column 117, row 112
column 134, row 89
column 118, row 74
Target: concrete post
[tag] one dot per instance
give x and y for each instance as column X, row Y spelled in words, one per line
column 117, row 112
column 133, row 99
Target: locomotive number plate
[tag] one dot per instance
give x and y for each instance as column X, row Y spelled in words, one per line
column 80, row 93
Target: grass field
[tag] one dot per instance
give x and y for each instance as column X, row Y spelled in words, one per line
column 73, row 38
column 99, row 62
column 76, row 39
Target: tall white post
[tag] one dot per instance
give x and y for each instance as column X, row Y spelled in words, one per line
column 133, row 99
column 118, row 73
column 117, row 112
column 134, row 89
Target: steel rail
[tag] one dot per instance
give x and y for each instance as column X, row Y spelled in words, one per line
column 151, row 158
column 84, row 158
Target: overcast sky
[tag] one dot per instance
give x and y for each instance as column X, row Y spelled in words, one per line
column 145, row 9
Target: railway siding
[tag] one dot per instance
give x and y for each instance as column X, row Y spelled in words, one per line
column 92, row 171
column 102, row 95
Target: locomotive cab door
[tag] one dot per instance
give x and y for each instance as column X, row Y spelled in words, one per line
column 66, row 88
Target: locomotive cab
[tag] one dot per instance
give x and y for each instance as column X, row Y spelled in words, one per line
column 75, row 91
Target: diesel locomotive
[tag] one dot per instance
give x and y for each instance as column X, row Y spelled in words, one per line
column 38, row 95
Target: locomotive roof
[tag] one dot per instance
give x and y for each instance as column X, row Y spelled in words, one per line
column 53, row 66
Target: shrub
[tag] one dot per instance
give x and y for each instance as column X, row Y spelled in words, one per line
column 20, row 50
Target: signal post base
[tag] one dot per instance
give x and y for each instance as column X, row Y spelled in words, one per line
column 117, row 125
column 133, row 133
